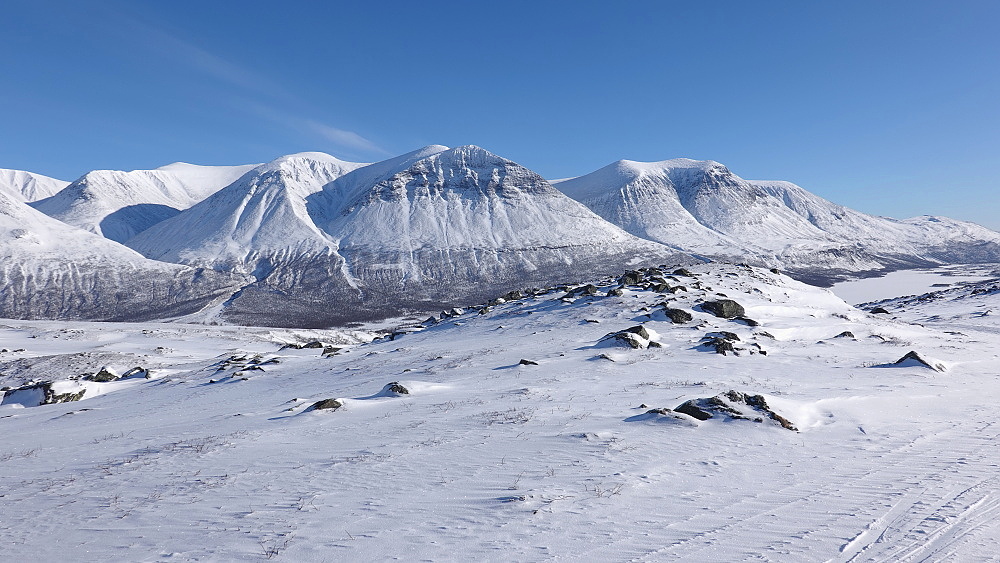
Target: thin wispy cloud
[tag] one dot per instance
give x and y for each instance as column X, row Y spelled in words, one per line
column 270, row 100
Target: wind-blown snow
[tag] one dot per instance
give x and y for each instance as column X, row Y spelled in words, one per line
column 219, row 456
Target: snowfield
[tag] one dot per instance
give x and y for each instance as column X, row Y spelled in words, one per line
column 623, row 421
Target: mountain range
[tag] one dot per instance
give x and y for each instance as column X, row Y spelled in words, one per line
column 311, row 240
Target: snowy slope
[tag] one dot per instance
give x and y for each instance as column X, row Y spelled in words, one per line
column 51, row 270
column 28, row 186
column 703, row 208
column 421, row 231
column 118, row 204
column 582, row 455
column 261, row 217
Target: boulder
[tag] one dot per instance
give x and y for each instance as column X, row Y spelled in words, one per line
column 682, row 272
column 395, row 388
column 677, row 316
column 327, row 404
column 105, row 375
column 724, row 308
column 913, row 358
column 524, row 362
column 630, row 277
column 736, row 406
column 616, row 292
column 845, row 334
column 879, row 311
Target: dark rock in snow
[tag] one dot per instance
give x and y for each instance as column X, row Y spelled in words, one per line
column 616, row 292
column 105, row 375
column 845, row 334
column 747, row 321
column 734, row 405
column 677, row 316
column 395, row 388
column 912, row 357
column 879, row 311
column 327, row 404
column 630, row 278
column 682, row 272
column 719, row 344
column 524, row 362
column 724, row 308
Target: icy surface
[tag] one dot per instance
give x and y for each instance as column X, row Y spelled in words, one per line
column 485, row 457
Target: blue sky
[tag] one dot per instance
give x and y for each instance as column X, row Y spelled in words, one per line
column 889, row 107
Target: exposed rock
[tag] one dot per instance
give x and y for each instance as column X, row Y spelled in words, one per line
column 912, row 357
column 37, row 394
column 682, row 272
column 677, row 316
column 630, row 277
column 327, row 404
column 524, row 362
column 616, row 292
column 747, row 321
column 137, row 372
column 719, row 344
column 105, row 375
column 395, row 388
column 845, row 334
column 734, row 405
column 879, row 311
column 724, row 308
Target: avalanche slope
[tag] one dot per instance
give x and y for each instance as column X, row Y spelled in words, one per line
column 28, row 186
column 703, row 208
column 118, row 204
column 529, row 429
column 52, row 270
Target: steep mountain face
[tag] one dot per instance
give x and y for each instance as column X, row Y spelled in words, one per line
column 703, row 208
column 28, row 186
column 421, row 231
column 257, row 220
column 51, row 270
column 118, row 204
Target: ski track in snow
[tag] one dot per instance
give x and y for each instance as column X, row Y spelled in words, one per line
column 486, row 459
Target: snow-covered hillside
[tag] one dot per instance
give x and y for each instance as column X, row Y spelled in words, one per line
column 260, row 218
column 52, row 270
column 28, row 186
column 619, row 421
column 424, row 230
column 703, row 208
column 118, row 204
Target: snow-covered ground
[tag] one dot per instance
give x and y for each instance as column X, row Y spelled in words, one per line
column 912, row 282
column 523, row 434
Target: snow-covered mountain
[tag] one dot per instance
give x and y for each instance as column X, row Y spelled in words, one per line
column 259, row 219
column 55, row 271
column 420, row 231
column 28, row 186
column 703, row 208
column 118, row 204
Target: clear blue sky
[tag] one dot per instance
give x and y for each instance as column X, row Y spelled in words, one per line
column 890, row 107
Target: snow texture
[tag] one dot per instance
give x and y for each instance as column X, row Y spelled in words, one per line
column 578, row 455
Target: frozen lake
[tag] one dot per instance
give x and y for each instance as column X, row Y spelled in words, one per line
column 912, row 282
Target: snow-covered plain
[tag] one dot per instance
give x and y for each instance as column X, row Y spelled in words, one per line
column 486, row 457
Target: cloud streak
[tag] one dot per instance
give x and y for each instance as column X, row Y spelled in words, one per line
column 270, row 99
